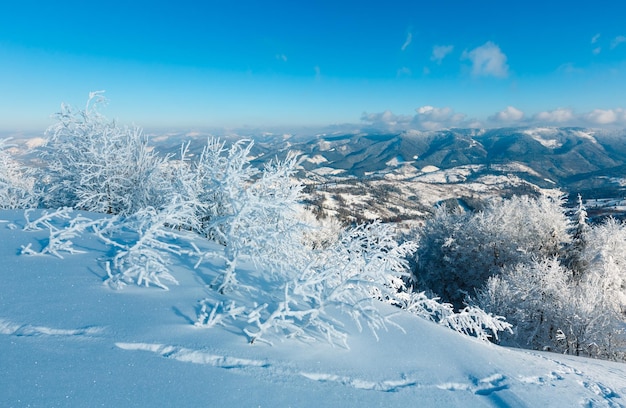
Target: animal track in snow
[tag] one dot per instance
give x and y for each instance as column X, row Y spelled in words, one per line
column 606, row 394
column 386, row 386
column 483, row 386
column 193, row 356
column 9, row 328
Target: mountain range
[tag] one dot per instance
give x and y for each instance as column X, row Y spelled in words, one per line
column 361, row 176
column 402, row 175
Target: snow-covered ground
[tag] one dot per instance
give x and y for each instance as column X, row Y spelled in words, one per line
column 68, row 340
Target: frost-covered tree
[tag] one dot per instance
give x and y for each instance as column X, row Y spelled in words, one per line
column 530, row 296
column 96, row 165
column 604, row 256
column 574, row 253
column 460, row 251
column 16, row 181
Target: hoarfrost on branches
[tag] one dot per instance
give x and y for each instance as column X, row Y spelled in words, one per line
column 460, row 251
column 143, row 243
column 96, row 165
column 60, row 237
column 17, row 183
column 251, row 214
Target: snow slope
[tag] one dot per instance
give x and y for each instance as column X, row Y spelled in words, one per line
column 68, row 340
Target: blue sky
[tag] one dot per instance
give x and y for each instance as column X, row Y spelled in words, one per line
column 392, row 64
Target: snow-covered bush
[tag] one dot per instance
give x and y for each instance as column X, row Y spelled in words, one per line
column 16, row 182
column 252, row 213
column 350, row 275
column 460, row 251
column 471, row 321
column 364, row 264
column 143, row 243
column 529, row 295
column 96, row 165
column 550, row 308
column 60, row 237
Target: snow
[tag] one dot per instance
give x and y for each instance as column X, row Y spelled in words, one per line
column 396, row 161
column 514, row 167
column 327, row 171
column 585, row 134
column 317, row 159
column 429, row 169
column 541, row 135
column 66, row 339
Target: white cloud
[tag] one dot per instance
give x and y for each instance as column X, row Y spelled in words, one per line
column 617, row 41
column 595, row 38
column 431, row 113
column 429, row 117
column 488, row 60
column 426, row 118
column 559, row 115
column 281, row 57
column 407, row 42
column 432, row 118
column 510, row 114
column 386, row 119
column 440, row 52
column 615, row 116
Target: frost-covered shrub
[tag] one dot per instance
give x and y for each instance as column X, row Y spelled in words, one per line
column 16, row 182
column 96, row 165
column 364, row 264
column 550, row 308
column 143, row 243
column 60, row 238
column 460, row 251
column 471, row 321
column 350, row 275
column 529, row 295
column 253, row 214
